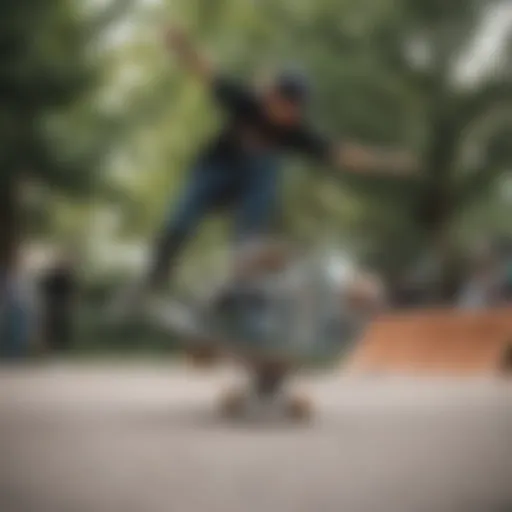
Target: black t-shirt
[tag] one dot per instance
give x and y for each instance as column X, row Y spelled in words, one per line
column 249, row 129
column 58, row 286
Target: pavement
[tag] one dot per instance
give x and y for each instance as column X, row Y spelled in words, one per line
column 141, row 437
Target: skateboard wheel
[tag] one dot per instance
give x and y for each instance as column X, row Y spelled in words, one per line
column 233, row 404
column 203, row 357
column 300, row 408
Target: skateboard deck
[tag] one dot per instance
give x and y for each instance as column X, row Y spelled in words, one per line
column 270, row 344
column 278, row 324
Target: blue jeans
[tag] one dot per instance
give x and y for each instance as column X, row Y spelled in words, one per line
column 249, row 188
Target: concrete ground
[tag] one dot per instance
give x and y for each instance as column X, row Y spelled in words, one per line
column 145, row 438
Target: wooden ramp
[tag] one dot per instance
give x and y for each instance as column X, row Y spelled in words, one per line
column 437, row 342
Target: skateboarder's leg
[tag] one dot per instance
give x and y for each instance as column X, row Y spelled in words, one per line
column 200, row 194
column 255, row 251
column 256, row 247
column 259, row 197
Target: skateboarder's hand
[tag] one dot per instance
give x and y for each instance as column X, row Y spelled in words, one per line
column 359, row 158
column 178, row 41
column 176, row 38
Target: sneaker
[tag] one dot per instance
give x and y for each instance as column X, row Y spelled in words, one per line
column 175, row 316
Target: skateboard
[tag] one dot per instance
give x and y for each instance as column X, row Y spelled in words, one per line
column 273, row 330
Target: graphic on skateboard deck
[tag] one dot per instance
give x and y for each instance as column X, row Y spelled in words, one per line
column 273, row 327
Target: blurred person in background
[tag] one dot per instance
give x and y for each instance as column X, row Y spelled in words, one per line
column 58, row 297
column 508, row 285
column 484, row 286
column 18, row 315
column 239, row 169
column 506, row 252
column 408, row 291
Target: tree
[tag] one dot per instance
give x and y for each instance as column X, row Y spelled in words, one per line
column 385, row 72
column 459, row 128
column 465, row 124
column 51, row 129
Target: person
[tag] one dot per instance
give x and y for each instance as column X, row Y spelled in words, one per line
column 239, row 168
column 484, row 285
column 58, row 291
column 18, row 318
column 506, row 252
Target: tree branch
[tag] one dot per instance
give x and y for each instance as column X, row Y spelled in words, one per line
column 115, row 10
column 477, row 105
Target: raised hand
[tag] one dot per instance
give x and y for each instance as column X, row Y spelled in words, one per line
column 176, row 38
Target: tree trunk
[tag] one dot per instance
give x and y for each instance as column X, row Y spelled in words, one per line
column 13, row 319
column 435, row 218
column 449, row 264
column 10, row 224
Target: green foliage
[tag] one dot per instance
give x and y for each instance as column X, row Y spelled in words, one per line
column 83, row 114
column 54, row 133
column 371, row 86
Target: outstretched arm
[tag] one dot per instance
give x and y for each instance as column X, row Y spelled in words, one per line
column 179, row 43
column 357, row 158
column 353, row 157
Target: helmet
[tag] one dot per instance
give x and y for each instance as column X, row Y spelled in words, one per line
column 294, row 86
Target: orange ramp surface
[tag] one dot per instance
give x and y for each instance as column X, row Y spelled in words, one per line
column 444, row 342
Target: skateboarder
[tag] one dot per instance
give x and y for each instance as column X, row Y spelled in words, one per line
column 239, row 169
